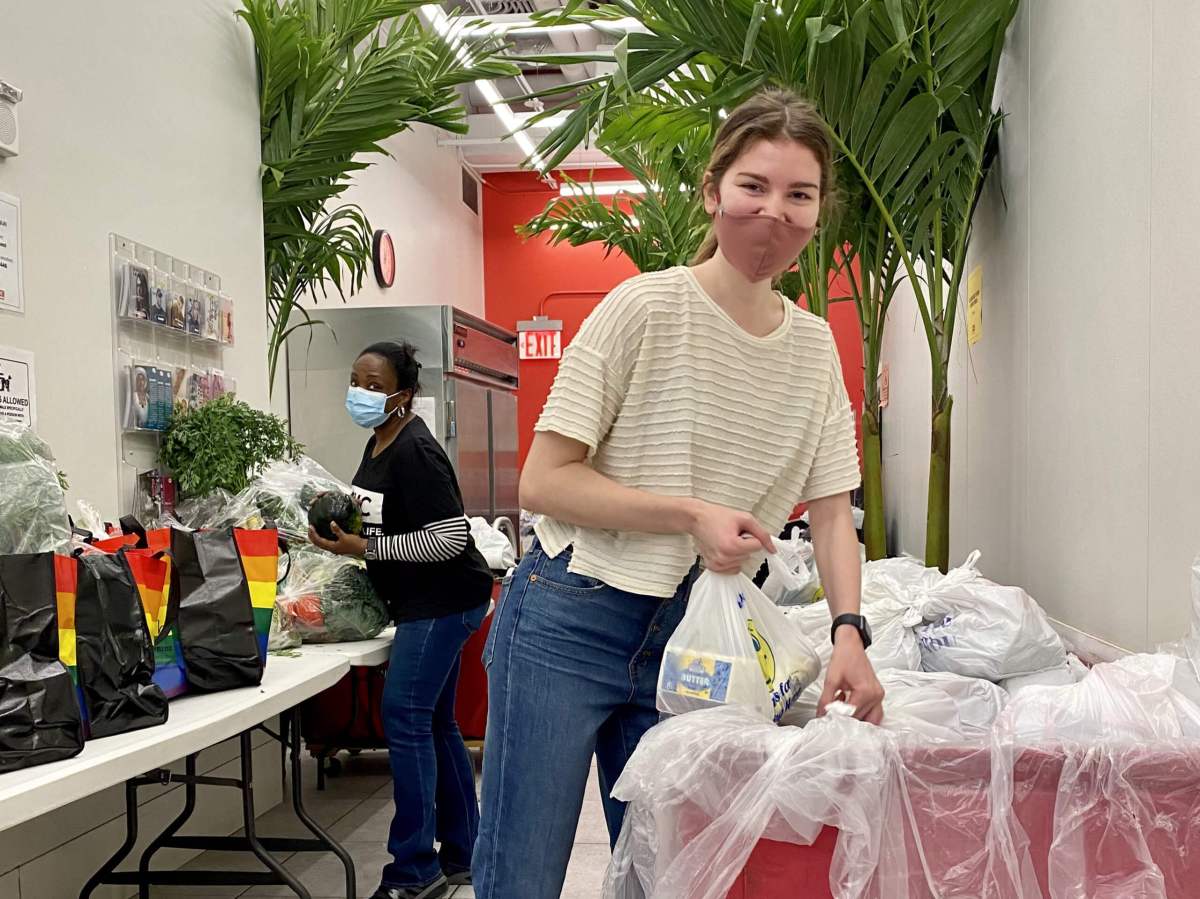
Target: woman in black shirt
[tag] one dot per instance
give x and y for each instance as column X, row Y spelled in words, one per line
column 425, row 566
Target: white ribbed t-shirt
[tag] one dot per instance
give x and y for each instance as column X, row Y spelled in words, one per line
column 671, row 396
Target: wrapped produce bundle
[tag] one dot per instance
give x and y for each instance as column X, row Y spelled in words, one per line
column 33, row 507
column 330, row 599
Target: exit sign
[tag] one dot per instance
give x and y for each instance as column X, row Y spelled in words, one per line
column 540, row 338
column 540, row 344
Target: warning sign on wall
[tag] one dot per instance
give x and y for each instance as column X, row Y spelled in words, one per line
column 16, row 387
column 975, row 306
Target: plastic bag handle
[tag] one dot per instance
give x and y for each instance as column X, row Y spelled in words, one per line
column 130, row 525
column 778, row 567
column 287, row 551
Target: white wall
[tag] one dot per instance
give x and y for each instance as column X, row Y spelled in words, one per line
column 1075, row 434
column 416, row 196
column 140, row 118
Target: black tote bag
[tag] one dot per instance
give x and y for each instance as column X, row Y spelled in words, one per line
column 216, row 616
column 39, row 714
column 114, row 651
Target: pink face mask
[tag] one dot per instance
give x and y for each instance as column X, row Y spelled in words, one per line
column 759, row 246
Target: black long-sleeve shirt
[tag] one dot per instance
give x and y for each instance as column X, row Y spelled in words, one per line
column 412, row 506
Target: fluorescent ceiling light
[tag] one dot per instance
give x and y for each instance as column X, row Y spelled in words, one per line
column 607, row 189
column 602, row 189
column 527, row 28
column 558, row 226
column 437, row 19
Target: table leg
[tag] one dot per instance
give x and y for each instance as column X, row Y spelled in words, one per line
column 131, row 832
column 302, row 813
column 284, row 741
column 189, row 806
column 249, row 824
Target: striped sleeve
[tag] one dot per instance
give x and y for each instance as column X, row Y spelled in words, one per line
column 835, row 466
column 438, row 541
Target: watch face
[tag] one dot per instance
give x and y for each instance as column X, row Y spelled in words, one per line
column 384, row 255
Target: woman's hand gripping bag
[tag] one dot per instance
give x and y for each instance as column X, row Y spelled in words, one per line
column 734, row 647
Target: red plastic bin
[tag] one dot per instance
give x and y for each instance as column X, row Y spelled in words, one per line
column 1163, row 800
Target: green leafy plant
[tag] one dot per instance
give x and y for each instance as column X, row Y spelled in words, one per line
column 336, row 78
column 657, row 229
column 906, row 88
column 223, row 444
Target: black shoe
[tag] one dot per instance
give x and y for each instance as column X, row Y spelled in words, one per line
column 435, row 890
column 458, row 877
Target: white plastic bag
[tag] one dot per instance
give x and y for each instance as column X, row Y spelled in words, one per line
column 734, row 647
column 978, row 628
column 789, row 582
column 1133, row 699
column 894, row 645
column 1106, row 767
column 496, row 548
column 937, row 706
column 1062, row 676
column 795, row 551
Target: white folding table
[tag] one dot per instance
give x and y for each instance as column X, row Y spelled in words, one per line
column 195, row 722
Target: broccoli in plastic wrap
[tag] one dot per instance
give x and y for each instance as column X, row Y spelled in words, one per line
column 330, row 599
column 33, row 506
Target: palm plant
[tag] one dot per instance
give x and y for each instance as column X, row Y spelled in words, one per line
column 657, row 229
column 906, row 88
column 336, row 78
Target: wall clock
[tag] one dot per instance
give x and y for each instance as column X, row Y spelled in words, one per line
column 384, row 256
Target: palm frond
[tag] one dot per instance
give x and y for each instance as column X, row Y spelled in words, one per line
column 337, row 79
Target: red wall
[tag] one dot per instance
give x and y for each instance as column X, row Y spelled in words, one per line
column 527, row 278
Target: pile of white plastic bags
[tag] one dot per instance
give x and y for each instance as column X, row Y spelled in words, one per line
column 986, row 715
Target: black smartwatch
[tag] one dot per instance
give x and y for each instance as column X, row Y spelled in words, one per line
column 858, row 622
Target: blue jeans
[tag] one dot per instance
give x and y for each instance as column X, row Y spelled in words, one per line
column 432, row 775
column 572, row 672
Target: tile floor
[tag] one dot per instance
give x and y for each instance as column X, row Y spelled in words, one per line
column 356, row 809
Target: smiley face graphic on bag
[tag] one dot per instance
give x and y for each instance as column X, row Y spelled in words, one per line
column 766, row 658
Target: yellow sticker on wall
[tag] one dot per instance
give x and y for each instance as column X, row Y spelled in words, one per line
column 975, row 306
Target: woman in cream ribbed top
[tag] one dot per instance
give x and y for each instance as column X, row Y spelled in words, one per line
column 695, row 408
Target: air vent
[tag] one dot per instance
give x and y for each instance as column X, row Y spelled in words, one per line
column 507, row 7
column 470, row 189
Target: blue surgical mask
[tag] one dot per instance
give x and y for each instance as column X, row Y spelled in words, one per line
column 368, row 407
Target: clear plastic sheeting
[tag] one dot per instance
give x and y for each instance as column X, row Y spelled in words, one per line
column 706, row 787
column 1002, row 816
column 281, row 495
column 1085, row 790
column 33, row 506
column 205, row 511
